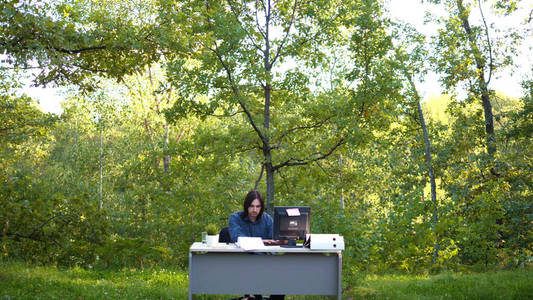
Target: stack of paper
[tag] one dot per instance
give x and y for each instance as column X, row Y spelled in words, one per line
column 250, row 243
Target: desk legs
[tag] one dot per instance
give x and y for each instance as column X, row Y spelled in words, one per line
column 339, row 287
column 190, row 275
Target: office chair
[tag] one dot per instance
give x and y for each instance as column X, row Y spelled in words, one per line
column 223, row 236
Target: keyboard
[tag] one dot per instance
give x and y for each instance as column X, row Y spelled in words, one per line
column 274, row 242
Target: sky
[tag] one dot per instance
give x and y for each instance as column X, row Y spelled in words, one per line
column 406, row 11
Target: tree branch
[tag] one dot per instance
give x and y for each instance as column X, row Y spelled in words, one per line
column 488, row 41
column 300, row 162
column 12, row 127
column 89, row 69
column 326, row 172
column 317, row 125
column 34, row 236
column 63, row 50
column 284, row 179
column 286, row 35
column 46, row 222
column 257, row 20
column 260, row 176
column 263, row 4
column 246, row 31
column 234, row 88
column 237, row 94
column 227, row 115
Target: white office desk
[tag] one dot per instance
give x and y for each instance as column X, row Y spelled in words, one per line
column 226, row 269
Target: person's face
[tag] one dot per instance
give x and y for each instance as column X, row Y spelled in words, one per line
column 254, row 209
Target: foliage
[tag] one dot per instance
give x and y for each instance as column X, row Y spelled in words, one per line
column 205, row 103
column 127, row 252
column 211, row 229
column 71, row 40
column 20, row 117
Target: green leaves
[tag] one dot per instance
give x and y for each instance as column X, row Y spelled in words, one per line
column 70, row 42
column 19, row 116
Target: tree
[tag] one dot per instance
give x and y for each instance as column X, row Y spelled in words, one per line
column 265, row 61
column 238, row 65
column 414, row 59
column 468, row 54
column 19, row 115
column 153, row 97
column 36, row 222
column 471, row 55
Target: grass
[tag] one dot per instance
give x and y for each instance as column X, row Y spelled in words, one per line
column 22, row 281
column 514, row 284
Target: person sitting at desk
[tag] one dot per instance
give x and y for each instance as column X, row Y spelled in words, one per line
column 252, row 221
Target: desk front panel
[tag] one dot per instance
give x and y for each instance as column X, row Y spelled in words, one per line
column 240, row 273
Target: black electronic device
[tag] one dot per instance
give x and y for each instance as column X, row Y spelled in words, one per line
column 291, row 223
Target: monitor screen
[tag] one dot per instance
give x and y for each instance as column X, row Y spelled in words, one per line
column 291, row 222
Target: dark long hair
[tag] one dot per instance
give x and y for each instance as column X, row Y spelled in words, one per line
column 250, row 197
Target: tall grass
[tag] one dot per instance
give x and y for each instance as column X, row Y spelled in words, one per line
column 22, row 281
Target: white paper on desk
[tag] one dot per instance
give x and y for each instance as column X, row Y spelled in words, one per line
column 250, row 243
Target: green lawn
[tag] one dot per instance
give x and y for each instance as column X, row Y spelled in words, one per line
column 516, row 284
column 20, row 281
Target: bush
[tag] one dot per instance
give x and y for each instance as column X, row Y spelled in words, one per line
column 132, row 252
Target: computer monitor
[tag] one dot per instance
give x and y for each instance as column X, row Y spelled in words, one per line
column 291, row 223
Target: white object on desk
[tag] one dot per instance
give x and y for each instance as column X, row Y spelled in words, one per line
column 250, row 243
column 325, row 241
column 212, row 240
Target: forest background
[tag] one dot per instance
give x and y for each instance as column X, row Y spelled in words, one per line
column 176, row 109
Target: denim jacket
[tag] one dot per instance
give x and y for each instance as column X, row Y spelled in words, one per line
column 244, row 227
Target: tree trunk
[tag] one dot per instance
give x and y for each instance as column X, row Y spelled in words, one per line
column 432, row 182
column 192, row 219
column 166, row 158
column 270, row 188
column 267, row 150
column 482, row 84
column 101, row 171
column 429, row 166
column 342, row 189
column 489, row 120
